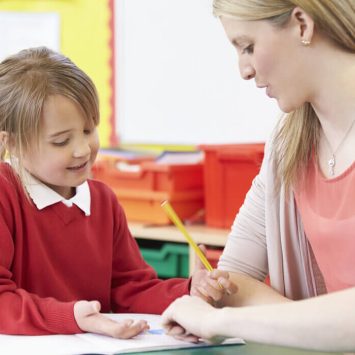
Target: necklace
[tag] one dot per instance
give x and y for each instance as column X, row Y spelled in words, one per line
column 332, row 160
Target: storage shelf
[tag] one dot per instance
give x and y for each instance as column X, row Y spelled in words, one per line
column 201, row 234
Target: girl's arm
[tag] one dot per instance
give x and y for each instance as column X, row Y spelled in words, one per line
column 23, row 312
column 134, row 281
column 321, row 323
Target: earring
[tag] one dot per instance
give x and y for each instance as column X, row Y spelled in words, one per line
column 305, row 42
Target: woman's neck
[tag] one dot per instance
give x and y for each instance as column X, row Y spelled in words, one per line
column 334, row 100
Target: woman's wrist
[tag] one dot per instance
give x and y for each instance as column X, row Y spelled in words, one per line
column 213, row 326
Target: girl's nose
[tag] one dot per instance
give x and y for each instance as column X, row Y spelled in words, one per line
column 82, row 148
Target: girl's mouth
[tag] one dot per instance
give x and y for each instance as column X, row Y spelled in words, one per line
column 78, row 167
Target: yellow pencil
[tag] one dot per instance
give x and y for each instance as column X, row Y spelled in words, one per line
column 176, row 220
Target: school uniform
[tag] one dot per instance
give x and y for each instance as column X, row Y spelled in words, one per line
column 54, row 252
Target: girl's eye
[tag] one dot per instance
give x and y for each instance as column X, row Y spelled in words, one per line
column 249, row 49
column 87, row 131
column 60, row 144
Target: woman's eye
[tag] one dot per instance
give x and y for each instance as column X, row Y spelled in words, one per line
column 87, row 131
column 60, row 144
column 249, row 49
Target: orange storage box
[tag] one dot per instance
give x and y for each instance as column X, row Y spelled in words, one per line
column 228, row 173
column 141, row 188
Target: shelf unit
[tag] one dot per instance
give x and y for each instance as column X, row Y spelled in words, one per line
column 201, row 234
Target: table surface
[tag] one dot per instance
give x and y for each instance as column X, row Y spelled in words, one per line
column 244, row 349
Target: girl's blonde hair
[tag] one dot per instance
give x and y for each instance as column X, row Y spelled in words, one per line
column 27, row 79
column 298, row 133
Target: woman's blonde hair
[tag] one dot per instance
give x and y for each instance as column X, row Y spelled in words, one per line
column 298, row 133
column 27, row 79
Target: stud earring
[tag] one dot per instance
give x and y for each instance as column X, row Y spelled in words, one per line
column 305, row 42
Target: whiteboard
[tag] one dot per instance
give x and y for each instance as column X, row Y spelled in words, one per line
column 177, row 78
column 21, row 30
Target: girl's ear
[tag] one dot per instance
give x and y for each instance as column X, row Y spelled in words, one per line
column 3, row 143
column 304, row 25
column 3, row 139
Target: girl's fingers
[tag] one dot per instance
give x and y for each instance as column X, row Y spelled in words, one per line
column 125, row 329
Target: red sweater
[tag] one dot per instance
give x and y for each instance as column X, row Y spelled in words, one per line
column 53, row 257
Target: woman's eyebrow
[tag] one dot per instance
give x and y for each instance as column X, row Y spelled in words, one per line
column 237, row 40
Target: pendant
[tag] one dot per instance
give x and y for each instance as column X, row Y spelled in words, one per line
column 331, row 164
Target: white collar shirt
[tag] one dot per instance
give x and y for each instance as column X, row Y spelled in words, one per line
column 43, row 196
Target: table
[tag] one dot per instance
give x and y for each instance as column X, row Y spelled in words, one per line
column 247, row 349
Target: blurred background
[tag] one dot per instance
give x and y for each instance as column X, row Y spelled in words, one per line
column 168, row 84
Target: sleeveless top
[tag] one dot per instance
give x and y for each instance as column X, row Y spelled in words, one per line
column 327, row 209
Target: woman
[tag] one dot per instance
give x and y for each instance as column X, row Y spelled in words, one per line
column 298, row 220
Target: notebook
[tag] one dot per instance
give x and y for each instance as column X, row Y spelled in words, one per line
column 88, row 343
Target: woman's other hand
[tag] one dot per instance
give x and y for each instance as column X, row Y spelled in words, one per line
column 190, row 318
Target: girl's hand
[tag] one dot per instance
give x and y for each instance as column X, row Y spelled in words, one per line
column 89, row 319
column 190, row 318
column 211, row 286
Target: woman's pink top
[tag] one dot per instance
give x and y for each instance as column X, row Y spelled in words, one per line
column 327, row 208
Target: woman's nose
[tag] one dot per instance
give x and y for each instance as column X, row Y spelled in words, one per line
column 246, row 70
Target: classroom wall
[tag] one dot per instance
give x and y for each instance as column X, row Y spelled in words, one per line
column 175, row 73
column 85, row 37
column 177, row 78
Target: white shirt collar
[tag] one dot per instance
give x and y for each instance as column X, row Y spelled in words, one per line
column 43, row 196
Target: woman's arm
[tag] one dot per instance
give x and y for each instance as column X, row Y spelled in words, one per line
column 251, row 292
column 322, row 323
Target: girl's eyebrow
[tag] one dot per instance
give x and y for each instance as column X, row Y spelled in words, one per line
column 58, row 133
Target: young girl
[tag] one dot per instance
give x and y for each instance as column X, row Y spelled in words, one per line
column 298, row 220
column 65, row 249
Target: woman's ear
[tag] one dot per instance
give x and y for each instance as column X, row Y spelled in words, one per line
column 304, row 25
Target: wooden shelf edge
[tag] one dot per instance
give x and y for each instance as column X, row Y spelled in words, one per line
column 200, row 233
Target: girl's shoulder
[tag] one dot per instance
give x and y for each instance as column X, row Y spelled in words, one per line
column 99, row 189
column 11, row 190
column 8, row 178
column 102, row 195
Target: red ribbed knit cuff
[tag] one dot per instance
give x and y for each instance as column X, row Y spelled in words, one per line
column 60, row 318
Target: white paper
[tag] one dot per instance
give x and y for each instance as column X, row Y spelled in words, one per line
column 154, row 339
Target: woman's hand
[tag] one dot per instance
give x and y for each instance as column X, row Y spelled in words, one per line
column 210, row 285
column 190, row 318
column 89, row 319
